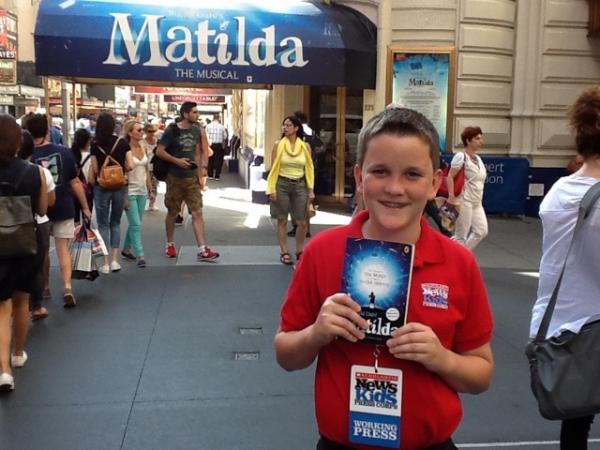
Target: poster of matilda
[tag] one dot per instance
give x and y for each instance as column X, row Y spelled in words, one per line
column 377, row 276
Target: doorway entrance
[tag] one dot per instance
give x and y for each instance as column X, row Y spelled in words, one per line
column 336, row 116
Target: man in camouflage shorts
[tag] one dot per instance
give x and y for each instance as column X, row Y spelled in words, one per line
column 185, row 146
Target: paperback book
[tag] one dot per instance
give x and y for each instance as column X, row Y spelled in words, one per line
column 377, row 276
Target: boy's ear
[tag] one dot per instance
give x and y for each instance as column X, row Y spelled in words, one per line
column 438, row 179
column 358, row 179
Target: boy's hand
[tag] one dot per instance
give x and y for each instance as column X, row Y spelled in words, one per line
column 339, row 317
column 417, row 342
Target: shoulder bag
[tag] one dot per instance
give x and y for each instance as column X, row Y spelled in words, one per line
column 17, row 223
column 112, row 176
column 459, row 180
column 564, row 368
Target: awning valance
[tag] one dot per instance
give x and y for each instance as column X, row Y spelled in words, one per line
column 204, row 42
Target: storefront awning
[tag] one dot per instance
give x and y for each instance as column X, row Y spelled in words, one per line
column 193, row 42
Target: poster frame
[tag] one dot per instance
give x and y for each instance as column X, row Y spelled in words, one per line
column 391, row 96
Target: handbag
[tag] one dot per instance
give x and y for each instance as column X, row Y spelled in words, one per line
column 459, row 181
column 564, row 368
column 17, row 223
column 111, row 177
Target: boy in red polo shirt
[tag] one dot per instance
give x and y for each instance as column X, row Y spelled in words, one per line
column 444, row 347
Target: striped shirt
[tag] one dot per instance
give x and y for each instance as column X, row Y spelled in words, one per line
column 216, row 132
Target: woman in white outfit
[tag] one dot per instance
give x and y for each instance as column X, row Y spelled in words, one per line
column 471, row 225
column 139, row 186
column 578, row 301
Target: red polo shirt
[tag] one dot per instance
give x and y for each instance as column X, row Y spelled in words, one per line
column 431, row 410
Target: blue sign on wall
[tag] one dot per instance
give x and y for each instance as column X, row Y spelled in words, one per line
column 200, row 41
column 506, row 185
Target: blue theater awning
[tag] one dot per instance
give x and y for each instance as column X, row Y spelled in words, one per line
column 205, row 42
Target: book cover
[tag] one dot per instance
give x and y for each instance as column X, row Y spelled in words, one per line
column 377, row 276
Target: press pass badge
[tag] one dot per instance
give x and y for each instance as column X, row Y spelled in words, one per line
column 375, row 406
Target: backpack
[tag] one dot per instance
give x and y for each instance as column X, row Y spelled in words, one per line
column 111, row 176
column 17, row 223
column 160, row 167
column 315, row 142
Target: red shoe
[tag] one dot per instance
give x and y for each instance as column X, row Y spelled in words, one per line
column 207, row 255
column 171, row 251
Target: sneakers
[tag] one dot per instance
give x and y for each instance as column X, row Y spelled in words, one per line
column 18, row 361
column 69, row 299
column 171, row 251
column 207, row 254
column 179, row 219
column 104, row 269
column 141, row 262
column 7, row 383
column 115, row 266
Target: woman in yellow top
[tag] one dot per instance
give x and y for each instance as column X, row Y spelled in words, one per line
column 290, row 185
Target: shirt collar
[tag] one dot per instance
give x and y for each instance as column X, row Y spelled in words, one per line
column 429, row 249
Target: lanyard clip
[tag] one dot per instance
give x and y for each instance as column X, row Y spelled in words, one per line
column 376, row 354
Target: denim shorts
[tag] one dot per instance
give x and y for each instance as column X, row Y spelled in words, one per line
column 292, row 199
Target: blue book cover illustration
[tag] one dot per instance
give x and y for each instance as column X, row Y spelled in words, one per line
column 377, row 276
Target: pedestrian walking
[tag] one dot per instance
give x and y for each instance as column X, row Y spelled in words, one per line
column 315, row 143
column 471, row 225
column 185, row 147
column 40, row 282
column 290, row 185
column 217, row 135
column 109, row 202
column 18, row 178
column 60, row 162
column 80, row 147
column 578, row 301
column 149, row 143
column 139, row 186
column 443, row 349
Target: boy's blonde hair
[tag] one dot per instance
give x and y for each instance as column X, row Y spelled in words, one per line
column 400, row 122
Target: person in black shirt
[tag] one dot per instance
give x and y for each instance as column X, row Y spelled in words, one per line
column 109, row 204
column 20, row 178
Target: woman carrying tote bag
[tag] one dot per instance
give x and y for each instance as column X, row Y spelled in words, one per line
column 578, row 300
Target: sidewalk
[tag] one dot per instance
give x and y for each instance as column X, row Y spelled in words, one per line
column 180, row 355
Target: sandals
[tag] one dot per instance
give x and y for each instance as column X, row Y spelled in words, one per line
column 286, row 259
column 40, row 313
column 298, row 255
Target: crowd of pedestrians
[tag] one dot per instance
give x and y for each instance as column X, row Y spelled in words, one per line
column 62, row 186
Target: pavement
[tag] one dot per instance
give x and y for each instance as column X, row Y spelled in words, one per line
column 179, row 355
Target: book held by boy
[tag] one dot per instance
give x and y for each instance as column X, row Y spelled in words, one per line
column 377, row 276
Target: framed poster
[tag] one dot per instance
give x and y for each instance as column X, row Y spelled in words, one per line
column 423, row 79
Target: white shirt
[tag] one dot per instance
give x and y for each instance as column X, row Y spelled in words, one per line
column 88, row 161
column 137, row 177
column 475, row 175
column 216, row 132
column 578, row 300
column 50, row 187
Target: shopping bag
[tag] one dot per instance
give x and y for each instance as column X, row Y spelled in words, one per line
column 97, row 243
column 448, row 213
column 82, row 261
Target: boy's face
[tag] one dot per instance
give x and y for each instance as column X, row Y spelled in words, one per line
column 396, row 180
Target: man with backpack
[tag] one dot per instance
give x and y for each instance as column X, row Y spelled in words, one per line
column 185, row 147
column 61, row 164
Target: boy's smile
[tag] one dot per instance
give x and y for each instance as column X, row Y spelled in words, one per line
column 396, row 180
